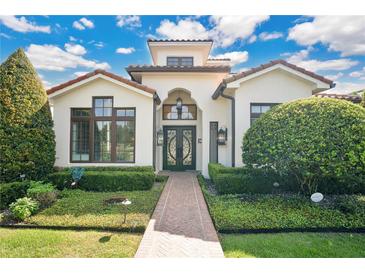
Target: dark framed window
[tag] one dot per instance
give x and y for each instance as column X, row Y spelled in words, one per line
column 80, row 135
column 257, row 109
column 103, row 133
column 180, row 61
column 171, row 112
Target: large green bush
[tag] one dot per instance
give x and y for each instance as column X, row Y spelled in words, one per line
column 115, row 168
column 318, row 142
column 26, row 129
column 12, row 191
column 106, row 180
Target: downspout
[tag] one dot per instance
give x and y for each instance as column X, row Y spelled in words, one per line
column 233, row 118
column 154, row 133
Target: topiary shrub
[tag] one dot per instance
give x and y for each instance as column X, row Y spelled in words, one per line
column 318, row 142
column 26, row 129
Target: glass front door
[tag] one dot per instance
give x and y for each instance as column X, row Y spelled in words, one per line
column 179, row 148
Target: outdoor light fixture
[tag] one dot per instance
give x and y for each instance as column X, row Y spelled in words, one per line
column 160, row 137
column 222, row 136
column 179, row 104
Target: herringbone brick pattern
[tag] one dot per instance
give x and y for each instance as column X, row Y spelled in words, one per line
column 180, row 225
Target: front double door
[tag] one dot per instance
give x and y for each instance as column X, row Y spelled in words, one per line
column 179, row 148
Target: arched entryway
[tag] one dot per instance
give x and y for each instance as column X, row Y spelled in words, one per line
column 179, row 120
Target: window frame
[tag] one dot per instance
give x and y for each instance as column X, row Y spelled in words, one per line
column 92, row 119
column 254, row 115
column 179, row 60
column 179, row 114
column 78, row 119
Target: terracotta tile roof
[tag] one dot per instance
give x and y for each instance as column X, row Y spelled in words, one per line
column 219, row 59
column 179, row 40
column 103, row 72
column 265, row 66
column 273, row 63
column 152, row 68
column 348, row 97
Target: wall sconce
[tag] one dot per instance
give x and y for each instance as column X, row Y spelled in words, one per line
column 160, row 137
column 222, row 136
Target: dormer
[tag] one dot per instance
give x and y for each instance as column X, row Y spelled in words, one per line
column 179, row 52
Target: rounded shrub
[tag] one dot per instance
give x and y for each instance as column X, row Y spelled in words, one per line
column 318, row 142
column 23, row 208
column 26, row 129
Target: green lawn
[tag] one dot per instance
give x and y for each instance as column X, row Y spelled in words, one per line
column 294, row 245
column 79, row 208
column 37, row 243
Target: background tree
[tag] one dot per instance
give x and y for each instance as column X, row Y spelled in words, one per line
column 27, row 143
column 318, row 143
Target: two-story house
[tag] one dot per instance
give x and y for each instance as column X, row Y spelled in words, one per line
column 179, row 113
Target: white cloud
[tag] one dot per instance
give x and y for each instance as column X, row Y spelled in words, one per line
column 80, row 73
column 75, row 49
column 5, row 35
column 46, row 83
column 87, row 23
column 21, row 24
column 125, row 50
column 346, row 87
column 237, row 57
column 129, row 21
column 340, row 33
column 300, row 59
column 334, row 77
column 83, row 23
column 51, row 57
column 99, row 44
column 265, row 36
column 225, row 30
column 252, row 39
column 356, row 74
column 78, row 25
column 228, row 29
column 183, row 29
column 72, row 39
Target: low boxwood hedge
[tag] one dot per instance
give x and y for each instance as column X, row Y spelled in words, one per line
column 106, row 180
column 11, row 191
column 229, row 180
column 115, row 168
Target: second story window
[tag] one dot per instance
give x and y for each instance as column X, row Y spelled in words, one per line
column 180, row 61
column 257, row 109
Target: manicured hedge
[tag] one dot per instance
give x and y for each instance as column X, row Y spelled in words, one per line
column 228, row 180
column 106, row 180
column 318, row 142
column 12, row 191
column 115, row 168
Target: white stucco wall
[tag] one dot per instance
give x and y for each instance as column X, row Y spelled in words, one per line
column 276, row 86
column 201, row 87
column 123, row 97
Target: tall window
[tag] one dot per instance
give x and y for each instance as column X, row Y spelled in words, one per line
column 187, row 112
column 103, row 133
column 257, row 109
column 80, row 135
column 180, row 61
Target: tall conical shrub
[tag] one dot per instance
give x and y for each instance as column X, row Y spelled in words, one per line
column 27, row 143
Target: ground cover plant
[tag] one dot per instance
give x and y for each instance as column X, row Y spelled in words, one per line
column 294, row 245
column 41, row 243
column 238, row 213
column 77, row 208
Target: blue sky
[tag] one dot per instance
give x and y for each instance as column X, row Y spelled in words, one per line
column 62, row 47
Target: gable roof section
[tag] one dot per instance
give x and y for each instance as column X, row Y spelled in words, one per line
column 252, row 71
column 90, row 76
column 355, row 98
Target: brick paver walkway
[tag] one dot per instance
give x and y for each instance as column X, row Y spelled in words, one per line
column 180, row 225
